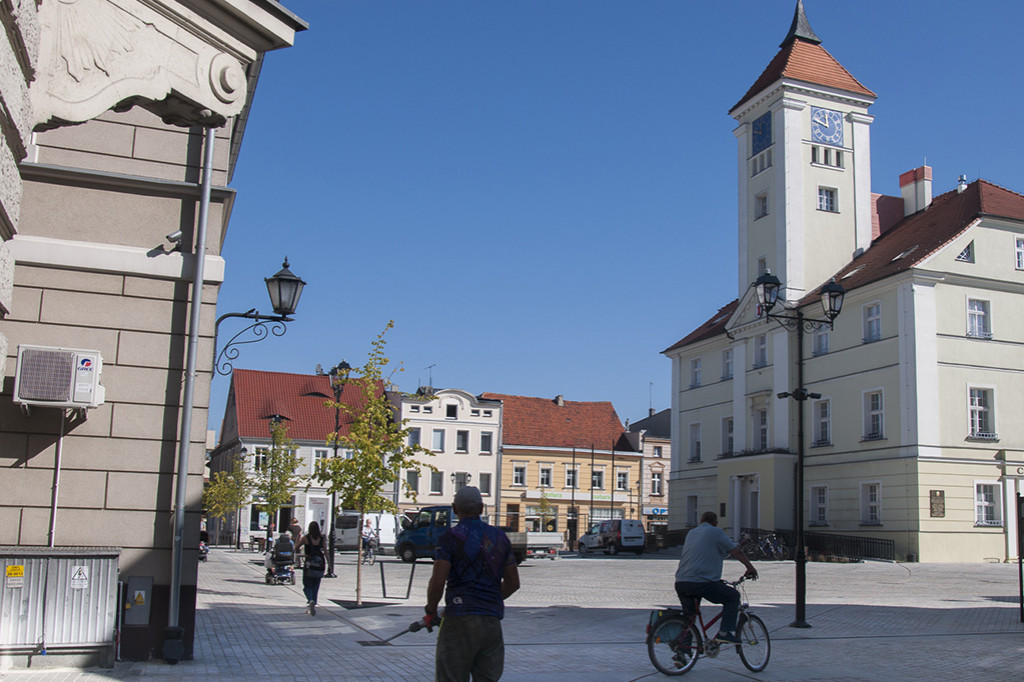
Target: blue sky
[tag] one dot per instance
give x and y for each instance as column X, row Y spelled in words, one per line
column 542, row 193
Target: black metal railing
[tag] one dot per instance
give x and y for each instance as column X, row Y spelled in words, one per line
column 820, row 546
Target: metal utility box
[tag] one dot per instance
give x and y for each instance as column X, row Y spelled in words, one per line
column 58, row 602
column 137, row 600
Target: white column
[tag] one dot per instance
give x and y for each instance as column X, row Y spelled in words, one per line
column 789, row 194
column 861, row 142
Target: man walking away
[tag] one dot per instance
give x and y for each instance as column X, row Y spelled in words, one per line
column 475, row 570
column 700, row 573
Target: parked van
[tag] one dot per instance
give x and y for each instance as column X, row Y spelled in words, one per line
column 613, row 536
column 384, row 523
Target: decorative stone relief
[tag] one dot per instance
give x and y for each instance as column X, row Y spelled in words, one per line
column 97, row 55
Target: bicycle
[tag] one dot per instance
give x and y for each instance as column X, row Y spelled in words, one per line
column 675, row 640
column 369, row 549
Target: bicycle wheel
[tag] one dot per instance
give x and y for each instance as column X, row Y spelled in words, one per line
column 756, row 647
column 673, row 645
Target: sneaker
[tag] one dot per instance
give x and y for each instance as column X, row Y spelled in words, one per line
column 312, row 612
column 727, row 637
column 679, row 659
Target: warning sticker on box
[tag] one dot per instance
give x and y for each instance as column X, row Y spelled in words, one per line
column 14, row 576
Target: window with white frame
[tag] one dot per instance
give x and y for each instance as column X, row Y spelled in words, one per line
column 657, row 451
column 462, row 441
column 437, row 482
column 819, row 505
column 760, row 205
column 695, row 442
column 485, row 483
column 872, row 322
column 827, row 200
column 622, row 479
column 412, row 480
column 519, row 474
column 438, row 443
column 822, row 423
column 1020, row 253
column 727, row 440
column 982, row 424
column 967, row 255
column 691, row 510
column 656, row 483
column 695, row 373
column 727, row 363
column 260, row 459
column 821, row 341
column 988, row 508
column 978, row 319
column 762, row 429
column 319, row 457
column 545, row 475
column 597, row 479
column 874, row 415
column 487, row 442
column 414, row 435
column 761, row 350
column 572, row 476
column 871, row 503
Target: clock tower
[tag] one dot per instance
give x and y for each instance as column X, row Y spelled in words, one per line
column 804, row 166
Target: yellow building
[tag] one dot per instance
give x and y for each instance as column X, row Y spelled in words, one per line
column 909, row 436
column 565, row 463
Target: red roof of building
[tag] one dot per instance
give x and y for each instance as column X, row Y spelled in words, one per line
column 299, row 398
column 543, row 422
column 905, row 245
column 809, row 62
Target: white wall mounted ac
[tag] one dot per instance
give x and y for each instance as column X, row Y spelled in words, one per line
column 58, row 377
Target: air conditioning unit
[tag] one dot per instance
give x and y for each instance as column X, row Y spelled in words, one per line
column 58, row 377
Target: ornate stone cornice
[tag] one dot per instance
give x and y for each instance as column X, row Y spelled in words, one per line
column 187, row 67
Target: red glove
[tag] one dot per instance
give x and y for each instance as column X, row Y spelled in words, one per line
column 430, row 620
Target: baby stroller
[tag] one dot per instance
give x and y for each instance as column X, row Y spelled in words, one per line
column 279, row 566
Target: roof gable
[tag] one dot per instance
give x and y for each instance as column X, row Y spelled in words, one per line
column 809, row 62
column 543, row 422
column 299, row 398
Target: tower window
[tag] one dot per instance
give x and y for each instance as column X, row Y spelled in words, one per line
column 760, row 205
column 827, row 200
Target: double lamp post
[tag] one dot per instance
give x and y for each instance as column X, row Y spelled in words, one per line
column 767, row 288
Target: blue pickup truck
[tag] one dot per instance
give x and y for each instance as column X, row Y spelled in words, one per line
column 420, row 534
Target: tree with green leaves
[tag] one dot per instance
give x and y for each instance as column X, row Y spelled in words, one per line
column 379, row 444
column 227, row 492
column 545, row 511
column 274, row 479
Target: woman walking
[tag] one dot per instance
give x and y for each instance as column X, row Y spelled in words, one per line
column 313, row 569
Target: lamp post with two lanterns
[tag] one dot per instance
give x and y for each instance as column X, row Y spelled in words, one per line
column 339, row 377
column 767, row 288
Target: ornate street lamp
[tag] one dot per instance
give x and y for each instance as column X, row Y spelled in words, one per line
column 284, row 289
column 767, row 288
column 339, row 377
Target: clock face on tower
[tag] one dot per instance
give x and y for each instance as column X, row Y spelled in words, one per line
column 826, row 126
column 762, row 130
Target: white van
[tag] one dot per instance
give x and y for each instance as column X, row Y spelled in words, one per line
column 613, row 536
column 383, row 523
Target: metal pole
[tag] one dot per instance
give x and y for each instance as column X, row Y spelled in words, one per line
column 591, row 516
column 1020, row 551
column 614, row 486
column 173, row 644
column 56, row 482
column 801, row 554
column 575, row 512
column 334, row 495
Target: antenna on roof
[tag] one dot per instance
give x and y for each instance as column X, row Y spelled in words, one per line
column 430, row 376
column 319, row 369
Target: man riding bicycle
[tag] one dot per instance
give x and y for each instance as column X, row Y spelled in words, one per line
column 699, row 574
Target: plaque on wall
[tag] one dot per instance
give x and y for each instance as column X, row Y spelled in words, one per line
column 938, row 504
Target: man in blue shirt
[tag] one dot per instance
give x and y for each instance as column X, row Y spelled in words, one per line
column 700, row 573
column 475, row 570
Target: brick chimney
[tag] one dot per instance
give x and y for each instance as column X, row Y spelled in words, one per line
column 916, row 188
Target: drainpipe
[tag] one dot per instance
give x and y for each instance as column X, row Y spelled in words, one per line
column 174, row 645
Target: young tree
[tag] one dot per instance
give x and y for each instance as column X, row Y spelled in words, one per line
column 274, row 478
column 227, row 492
column 379, row 444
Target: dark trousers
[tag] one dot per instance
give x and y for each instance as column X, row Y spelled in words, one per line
column 715, row 592
column 310, row 587
column 470, row 646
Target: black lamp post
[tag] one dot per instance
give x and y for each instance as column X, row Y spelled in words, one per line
column 767, row 289
column 339, row 377
column 284, row 289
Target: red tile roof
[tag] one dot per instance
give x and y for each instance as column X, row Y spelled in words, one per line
column 299, row 398
column 904, row 246
column 542, row 422
column 808, row 62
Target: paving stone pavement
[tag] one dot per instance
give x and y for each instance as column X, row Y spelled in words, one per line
column 584, row 618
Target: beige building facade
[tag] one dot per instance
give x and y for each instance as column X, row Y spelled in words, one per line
column 909, row 432
column 105, row 107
